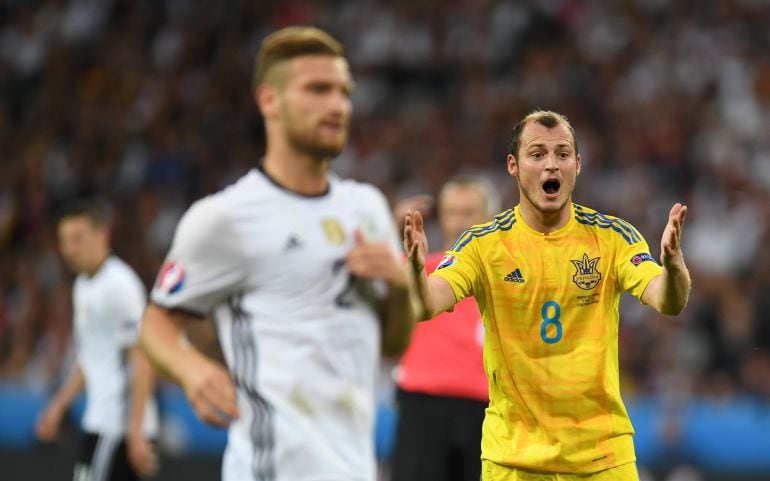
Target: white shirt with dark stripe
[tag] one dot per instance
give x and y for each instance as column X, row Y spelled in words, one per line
column 108, row 307
column 301, row 337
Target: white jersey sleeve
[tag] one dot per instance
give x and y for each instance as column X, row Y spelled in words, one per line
column 206, row 262
column 127, row 309
column 378, row 225
column 385, row 228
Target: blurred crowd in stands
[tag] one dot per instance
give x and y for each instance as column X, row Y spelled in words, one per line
column 148, row 104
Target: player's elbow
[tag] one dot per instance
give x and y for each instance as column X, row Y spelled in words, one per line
column 428, row 309
column 673, row 309
column 395, row 347
column 425, row 313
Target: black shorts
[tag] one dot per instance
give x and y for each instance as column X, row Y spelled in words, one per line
column 438, row 438
column 103, row 458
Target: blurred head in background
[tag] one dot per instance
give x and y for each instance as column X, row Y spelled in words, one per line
column 302, row 86
column 84, row 236
column 464, row 202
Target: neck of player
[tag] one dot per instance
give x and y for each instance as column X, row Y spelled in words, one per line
column 298, row 173
column 543, row 221
column 97, row 262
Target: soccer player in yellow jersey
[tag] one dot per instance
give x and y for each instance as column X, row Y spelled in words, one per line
column 547, row 276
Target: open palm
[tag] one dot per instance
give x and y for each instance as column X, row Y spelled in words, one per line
column 671, row 241
column 415, row 240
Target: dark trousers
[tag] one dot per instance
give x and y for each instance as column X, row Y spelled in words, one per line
column 438, row 438
column 102, row 458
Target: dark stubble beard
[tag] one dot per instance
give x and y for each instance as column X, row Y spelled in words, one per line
column 314, row 148
column 310, row 143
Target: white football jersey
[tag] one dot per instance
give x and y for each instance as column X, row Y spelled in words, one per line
column 108, row 308
column 300, row 335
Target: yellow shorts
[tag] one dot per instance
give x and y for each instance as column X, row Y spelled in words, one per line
column 494, row 472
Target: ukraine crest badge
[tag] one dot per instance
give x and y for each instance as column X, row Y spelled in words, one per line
column 587, row 275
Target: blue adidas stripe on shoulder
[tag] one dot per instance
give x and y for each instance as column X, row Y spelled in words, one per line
column 626, row 230
column 599, row 217
column 499, row 218
column 503, row 221
column 603, row 221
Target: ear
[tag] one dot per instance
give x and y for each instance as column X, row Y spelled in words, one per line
column 267, row 99
column 513, row 166
column 578, row 163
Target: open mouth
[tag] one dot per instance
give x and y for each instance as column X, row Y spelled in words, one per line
column 551, row 186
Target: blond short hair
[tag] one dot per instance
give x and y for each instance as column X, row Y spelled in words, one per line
column 291, row 42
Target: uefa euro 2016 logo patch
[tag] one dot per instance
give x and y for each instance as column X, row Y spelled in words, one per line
column 642, row 257
column 587, row 276
column 171, row 277
column 446, row 261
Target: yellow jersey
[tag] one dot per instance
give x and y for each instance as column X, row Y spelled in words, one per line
column 550, row 310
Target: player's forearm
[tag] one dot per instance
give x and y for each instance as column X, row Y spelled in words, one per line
column 675, row 290
column 399, row 318
column 71, row 388
column 142, row 385
column 162, row 339
column 427, row 299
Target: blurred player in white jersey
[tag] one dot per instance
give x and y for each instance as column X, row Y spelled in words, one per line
column 108, row 298
column 304, row 275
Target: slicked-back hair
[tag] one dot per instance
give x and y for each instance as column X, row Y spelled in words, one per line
column 492, row 200
column 291, row 42
column 547, row 119
column 94, row 209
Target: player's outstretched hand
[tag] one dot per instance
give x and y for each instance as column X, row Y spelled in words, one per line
column 211, row 392
column 670, row 244
column 48, row 424
column 375, row 260
column 415, row 240
column 141, row 455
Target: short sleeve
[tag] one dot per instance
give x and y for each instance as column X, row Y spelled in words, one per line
column 461, row 267
column 206, row 263
column 127, row 309
column 635, row 266
column 375, row 220
column 380, row 226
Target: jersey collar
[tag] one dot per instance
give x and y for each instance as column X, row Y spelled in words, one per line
column 557, row 234
column 261, row 169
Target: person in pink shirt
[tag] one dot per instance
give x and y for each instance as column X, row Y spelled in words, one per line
column 442, row 387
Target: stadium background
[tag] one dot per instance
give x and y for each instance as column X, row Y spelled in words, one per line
column 148, row 104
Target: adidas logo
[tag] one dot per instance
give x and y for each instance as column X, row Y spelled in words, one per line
column 514, row 276
column 293, row 243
